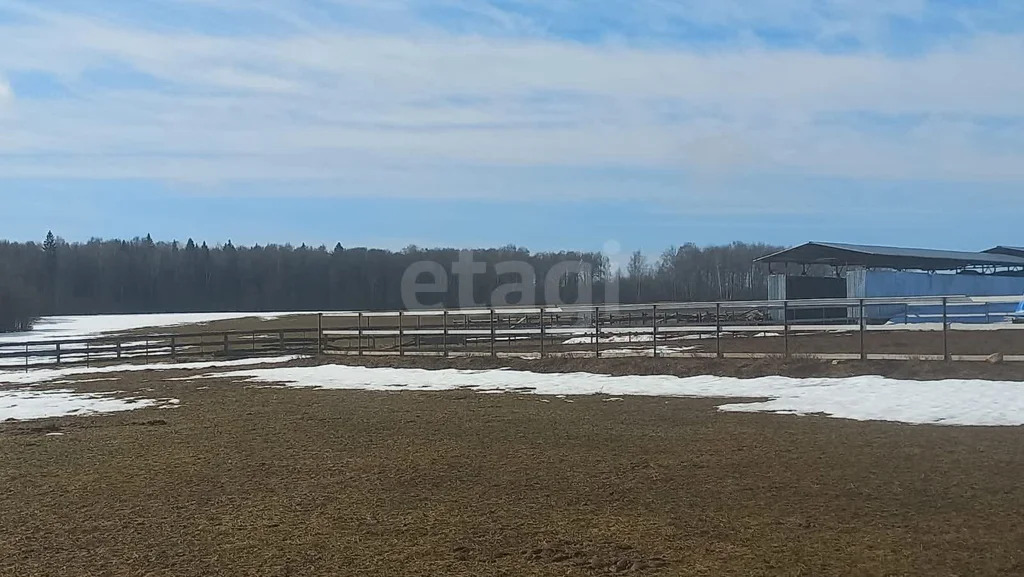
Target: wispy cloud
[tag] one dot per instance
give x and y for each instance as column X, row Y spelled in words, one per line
column 324, row 90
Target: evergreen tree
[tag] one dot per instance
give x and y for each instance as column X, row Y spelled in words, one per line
column 145, row 276
column 50, row 282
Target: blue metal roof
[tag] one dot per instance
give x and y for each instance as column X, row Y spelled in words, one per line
column 1009, row 250
column 841, row 254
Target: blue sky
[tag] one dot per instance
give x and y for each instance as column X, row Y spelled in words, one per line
column 547, row 124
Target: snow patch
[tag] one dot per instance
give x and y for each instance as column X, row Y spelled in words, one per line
column 628, row 338
column 49, row 375
column 950, row 402
column 84, row 381
column 73, row 327
column 23, row 405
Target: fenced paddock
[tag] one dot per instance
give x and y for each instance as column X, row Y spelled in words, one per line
column 923, row 328
column 935, row 328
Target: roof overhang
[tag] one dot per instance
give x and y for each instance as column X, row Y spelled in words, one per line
column 846, row 255
column 1007, row 250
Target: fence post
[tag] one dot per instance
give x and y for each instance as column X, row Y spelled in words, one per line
column 654, row 328
column 718, row 330
column 280, row 341
column 945, row 328
column 118, row 345
column 359, row 334
column 494, row 335
column 543, row 332
column 254, row 341
column 785, row 328
column 319, row 334
column 401, row 334
column 58, row 354
column 863, row 329
column 597, row 332
column 227, row 344
column 444, row 337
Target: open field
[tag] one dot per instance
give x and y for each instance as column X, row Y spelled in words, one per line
column 684, row 367
column 266, row 481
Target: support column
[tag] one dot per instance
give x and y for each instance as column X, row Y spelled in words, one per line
column 359, row 335
column 654, row 328
column 494, row 333
column 863, row 329
column 543, row 335
column 718, row 329
column 945, row 328
column 401, row 334
column 320, row 334
column 785, row 328
column 444, row 343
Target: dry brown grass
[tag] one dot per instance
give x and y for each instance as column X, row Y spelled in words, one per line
column 741, row 368
column 281, row 482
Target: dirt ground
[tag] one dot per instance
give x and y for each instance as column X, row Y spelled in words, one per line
column 683, row 367
column 257, row 481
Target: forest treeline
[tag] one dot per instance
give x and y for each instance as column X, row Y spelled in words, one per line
column 142, row 276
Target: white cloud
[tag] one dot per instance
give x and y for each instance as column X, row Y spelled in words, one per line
column 6, row 102
column 325, row 101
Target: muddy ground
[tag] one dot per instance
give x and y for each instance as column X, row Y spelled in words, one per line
column 681, row 367
column 255, row 481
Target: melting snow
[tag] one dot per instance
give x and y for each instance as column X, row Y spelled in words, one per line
column 72, row 327
column 950, row 402
column 627, row 338
column 49, row 375
column 21, row 405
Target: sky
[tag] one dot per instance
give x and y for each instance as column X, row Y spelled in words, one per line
column 549, row 124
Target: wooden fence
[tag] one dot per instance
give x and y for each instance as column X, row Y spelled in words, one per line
column 939, row 328
column 158, row 346
column 932, row 328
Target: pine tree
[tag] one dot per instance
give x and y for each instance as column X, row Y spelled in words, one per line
column 50, row 281
column 50, row 244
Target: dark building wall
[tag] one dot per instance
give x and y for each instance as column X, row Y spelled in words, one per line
column 816, row 287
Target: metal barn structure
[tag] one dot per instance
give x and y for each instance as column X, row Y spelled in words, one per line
column 1008, row 250
column 819, row 270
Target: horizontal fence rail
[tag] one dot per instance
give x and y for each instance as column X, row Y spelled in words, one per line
column 696, row 330
column 929, row 328
column 158, row 347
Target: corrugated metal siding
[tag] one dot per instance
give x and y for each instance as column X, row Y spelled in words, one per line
column 884, row 283
column 777, row 287
column 776, row 292
column 856, row 283
column 867, row 283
